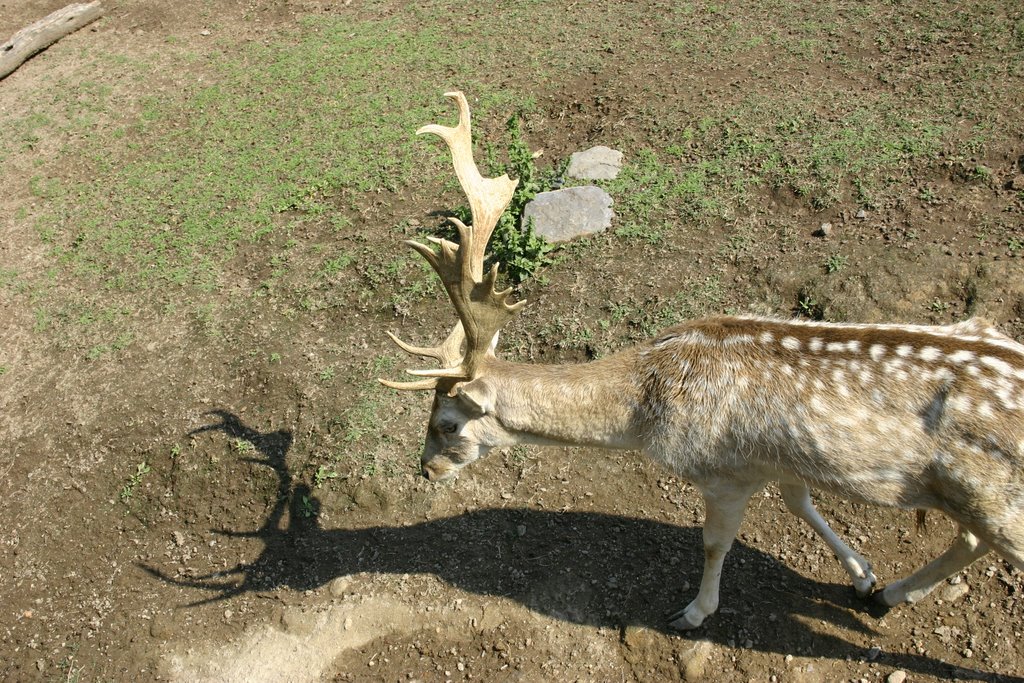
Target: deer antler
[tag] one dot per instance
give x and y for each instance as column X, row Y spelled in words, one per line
column 482, row 310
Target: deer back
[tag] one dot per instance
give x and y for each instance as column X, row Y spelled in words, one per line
column 915, row 416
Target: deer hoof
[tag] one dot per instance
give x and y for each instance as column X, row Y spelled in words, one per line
column 865, row 587
column 887, row 597
column 683, row 621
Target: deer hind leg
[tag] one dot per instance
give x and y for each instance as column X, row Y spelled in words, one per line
column 798, row 499
column 965, row 549
column 724, row 503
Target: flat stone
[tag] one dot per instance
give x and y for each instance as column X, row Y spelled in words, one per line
column 955, row 592
column 596, row 163
column 562, row 215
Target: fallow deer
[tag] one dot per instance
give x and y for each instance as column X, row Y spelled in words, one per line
column 911, row 416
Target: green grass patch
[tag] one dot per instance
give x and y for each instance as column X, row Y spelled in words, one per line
column 286, row 134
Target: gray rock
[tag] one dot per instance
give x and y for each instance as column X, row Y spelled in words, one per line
column 955, row 592
column 561, row 215
column 897, row 676
column 596, row 163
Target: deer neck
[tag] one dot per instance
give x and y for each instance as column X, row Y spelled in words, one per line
column 590, row 404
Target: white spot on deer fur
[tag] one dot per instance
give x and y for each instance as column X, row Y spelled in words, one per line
column 843, row 391
column 876, row 352
column 985, row 409
column 738, row 339
column 892, row 366
column 815, row 344
column 791, row 343
column 866, row 377
column 766, row 338
column 1000, row 366
column 787, row 370
column 959, row 403
column 818, row 405
column 853, row 346
column 835, row 346
column 904, row 350
column 961, row 356
column 973, row 370
column 929, row 353
column 818, row 384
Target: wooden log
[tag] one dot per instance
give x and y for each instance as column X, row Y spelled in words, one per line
column 45, row 32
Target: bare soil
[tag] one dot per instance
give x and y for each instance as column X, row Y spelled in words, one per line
column 227, row 563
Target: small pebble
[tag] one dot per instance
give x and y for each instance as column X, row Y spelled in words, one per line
column 862, row 214
column 897, row 676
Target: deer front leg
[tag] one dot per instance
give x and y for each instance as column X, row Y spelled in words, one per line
column 724, row 504
column 798, row 500
column 965, row 549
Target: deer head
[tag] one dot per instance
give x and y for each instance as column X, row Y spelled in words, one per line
column 462, row 427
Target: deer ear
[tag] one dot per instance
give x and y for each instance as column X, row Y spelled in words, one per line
column 478, row 394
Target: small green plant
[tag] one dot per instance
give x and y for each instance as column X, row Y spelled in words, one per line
column 275, row 357
column 307, row 507
column 835, row 263
column 242, row 447
column 938, row 306
column 327, row 374
column 980, row 173
column 1015, row 245
column 128, row 490
column 322, row 475
column 3, row 370
column 809, row 307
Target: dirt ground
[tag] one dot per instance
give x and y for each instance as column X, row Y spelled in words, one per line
column 226, row 561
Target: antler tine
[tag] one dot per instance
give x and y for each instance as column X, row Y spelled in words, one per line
column 447, row 353
column 419, row 385
column 487, row 197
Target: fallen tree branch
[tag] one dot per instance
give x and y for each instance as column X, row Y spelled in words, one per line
column 45, row 32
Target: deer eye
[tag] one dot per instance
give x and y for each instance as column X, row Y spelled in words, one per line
column 449, row 427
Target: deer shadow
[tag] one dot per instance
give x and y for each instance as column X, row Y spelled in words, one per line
column 587, row 568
